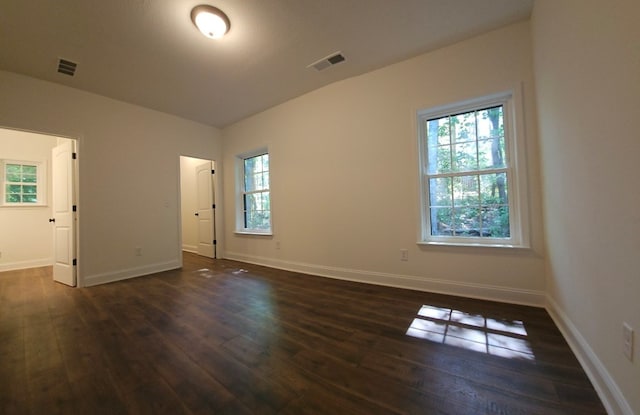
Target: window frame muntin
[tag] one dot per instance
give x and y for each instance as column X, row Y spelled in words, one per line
column 515, row 166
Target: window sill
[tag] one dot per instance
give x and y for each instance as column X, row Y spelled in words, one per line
column 254, row 233
column 23, row 205
column 474, row 245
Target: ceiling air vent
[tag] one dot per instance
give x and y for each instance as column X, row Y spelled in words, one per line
column 324, row 63
column 67, row 67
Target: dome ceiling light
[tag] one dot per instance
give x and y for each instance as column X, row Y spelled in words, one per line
column 211, row 21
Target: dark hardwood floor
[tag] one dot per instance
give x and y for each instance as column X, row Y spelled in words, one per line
column 223, row 337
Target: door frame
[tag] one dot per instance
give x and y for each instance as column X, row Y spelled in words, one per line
column 76, row 190
column 218, row 214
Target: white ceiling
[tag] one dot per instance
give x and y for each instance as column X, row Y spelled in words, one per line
column 147, row 52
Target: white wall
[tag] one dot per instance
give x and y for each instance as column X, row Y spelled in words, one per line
column 26, row 236
column 129, row 171
column 587, row 68
column 344, row 176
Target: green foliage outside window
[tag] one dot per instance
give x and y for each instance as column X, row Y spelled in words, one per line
column 468, row 189
column 256, row 199
column 21, row 183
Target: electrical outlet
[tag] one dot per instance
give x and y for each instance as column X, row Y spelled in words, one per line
column 138, row 251
column 404, row 255
column 627, row 339
column 277, row 244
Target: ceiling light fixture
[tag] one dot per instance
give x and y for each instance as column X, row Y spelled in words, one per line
column 211, row 21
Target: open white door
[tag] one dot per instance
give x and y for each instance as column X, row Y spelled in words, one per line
column 64, row 269
column 205, row 210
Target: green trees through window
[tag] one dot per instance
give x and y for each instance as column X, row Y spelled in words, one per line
column 467, row 176
column 473, row 173
column 20, row 183
column 255, row 197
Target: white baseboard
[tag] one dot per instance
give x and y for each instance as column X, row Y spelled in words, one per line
column 35, row 263
column 611, row 396
column 124, row 274
column 481, row 291
column 190, row 248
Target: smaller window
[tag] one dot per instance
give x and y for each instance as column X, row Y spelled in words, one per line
column 22, row 183
column 254, row 204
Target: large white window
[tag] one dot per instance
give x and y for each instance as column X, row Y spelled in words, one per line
column 254, row 201
column 472, row 192
column 23, row 183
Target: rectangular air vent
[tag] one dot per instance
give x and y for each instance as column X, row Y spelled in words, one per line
column 324, row 63
column 67, row 67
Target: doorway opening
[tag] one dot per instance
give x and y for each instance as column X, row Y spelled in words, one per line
column 38, row 203
column 198, row 206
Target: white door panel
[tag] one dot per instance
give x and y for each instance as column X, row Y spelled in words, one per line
column 205, row 211
column 63, row 219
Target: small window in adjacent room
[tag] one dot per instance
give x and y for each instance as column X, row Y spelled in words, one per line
column 472, row 191
column 23, row 183
column 253, row 209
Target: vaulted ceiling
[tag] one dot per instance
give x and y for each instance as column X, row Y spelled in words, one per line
column 147, row 52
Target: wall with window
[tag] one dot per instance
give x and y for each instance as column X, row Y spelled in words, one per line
column 26, row 236
column 587, row 68
column 129, row 167
column 344, row 175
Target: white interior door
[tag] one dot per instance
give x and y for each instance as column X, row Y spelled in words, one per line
column 205, row 210
column 64, row 270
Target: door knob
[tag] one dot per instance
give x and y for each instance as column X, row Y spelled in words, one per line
column 197, row 214
column 52, row 220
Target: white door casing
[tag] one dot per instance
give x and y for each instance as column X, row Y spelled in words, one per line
column 205, row 213
column 62, row 169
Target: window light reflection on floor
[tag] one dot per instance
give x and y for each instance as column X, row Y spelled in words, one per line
column 505, row 338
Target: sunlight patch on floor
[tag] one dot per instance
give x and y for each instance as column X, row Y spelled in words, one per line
column 505, row 338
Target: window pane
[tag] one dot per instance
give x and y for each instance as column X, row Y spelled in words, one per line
column 491, row 134
column 257, row 207
column 463, row 127
column 256, row 176
column 14, row 168
column 13, row 177
column 438, row 146
column 466, row 157
column 28, row 189
column 495, row 221
column 259, row 182
column 495, row 208
column 438, row 132
column 258, row 220
column 30, row 198
column 441, row 221
column 29, row 178
column 14, row 188
column 440, row 192
column 439, row 160
column 26, row 169
column 466, row 191
column 466, row 221
column 494, row 189
column 491, row 153
column 440, row 209
column 13, row 198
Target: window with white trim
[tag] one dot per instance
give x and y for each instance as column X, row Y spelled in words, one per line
column 254, row 201
column 471, row 188
column 23, row 183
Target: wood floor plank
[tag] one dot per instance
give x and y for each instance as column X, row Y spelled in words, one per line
column 224, row 337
